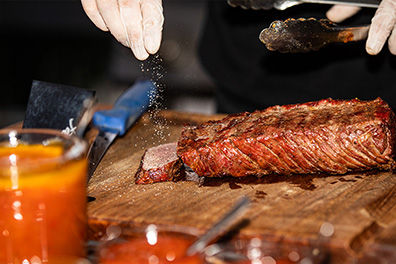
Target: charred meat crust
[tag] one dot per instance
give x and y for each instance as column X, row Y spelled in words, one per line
column 326, row 136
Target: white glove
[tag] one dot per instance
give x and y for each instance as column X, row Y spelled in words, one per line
column 382, row 25
column 136, row 24
column 339, row 13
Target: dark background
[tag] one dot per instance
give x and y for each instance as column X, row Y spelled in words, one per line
column 54, row 41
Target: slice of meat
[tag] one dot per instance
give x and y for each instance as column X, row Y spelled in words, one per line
column 160, row 164
column 329, row 136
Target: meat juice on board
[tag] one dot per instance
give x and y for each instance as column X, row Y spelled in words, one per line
column 43, row 198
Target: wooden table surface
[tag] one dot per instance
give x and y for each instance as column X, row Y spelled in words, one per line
column 288, row 210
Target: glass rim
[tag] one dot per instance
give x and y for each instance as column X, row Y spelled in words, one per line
column 77, row 149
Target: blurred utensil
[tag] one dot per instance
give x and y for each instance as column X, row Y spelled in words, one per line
column 88, row 109
column 116, row 121
column 220, row 227
column 303, row 35
column 56, row 106
column 284, row 4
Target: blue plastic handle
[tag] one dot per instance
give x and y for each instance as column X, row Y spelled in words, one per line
column 127, row 109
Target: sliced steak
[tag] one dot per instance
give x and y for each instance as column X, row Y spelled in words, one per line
column 329, row 136
column 160, row 164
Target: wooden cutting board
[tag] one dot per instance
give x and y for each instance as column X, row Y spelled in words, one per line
column 360, row 207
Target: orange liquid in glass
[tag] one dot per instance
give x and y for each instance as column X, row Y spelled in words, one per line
column 43, row 205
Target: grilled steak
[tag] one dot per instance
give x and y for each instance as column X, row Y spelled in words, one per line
column 329, row 136
column 160, row 164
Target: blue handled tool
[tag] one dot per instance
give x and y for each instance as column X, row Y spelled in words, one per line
column 116, row 121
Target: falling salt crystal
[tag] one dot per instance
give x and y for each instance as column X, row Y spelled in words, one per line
column 294, row 256
column 35, row 260
column 254, row 253
column 327, row 229
column 268, row 260
column 113, row 231
column 255, row 242
column 153, row 259
column 152, row 234
column 306, row 261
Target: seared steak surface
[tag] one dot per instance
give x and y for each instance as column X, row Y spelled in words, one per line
column 159, row 164
column 327, row 136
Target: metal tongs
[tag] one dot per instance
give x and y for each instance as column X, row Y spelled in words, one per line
column 218, row 229
column 303, row 35
column 284, row 4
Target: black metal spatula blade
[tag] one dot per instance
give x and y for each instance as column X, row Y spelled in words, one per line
column 53, row 105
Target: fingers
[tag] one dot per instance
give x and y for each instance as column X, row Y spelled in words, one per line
column 153, row 21
column 392, row 41
column 92, row 12
column 134, row 27
column 145, row 29
column 134, row 23
column 382, row 26
column 110, row 13
column 339, row 13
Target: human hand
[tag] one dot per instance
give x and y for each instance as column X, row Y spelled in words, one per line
column 382, row 25
column 339, row 13
column 135, row 24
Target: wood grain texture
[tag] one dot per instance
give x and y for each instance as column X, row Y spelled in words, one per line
column 286, row 209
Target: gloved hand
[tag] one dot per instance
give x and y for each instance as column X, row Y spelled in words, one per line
column 136, row 24
column 339, row 13
column 382, row 25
